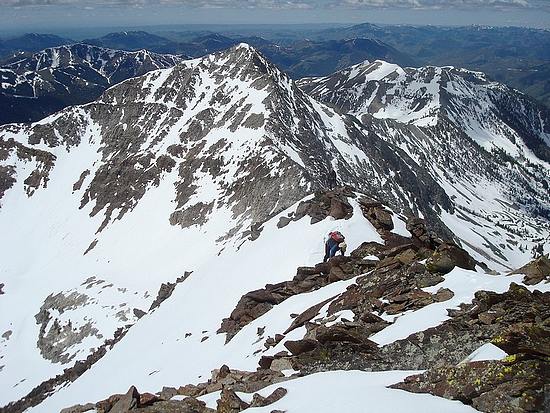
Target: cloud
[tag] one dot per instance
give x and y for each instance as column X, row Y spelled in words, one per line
column 294, row 4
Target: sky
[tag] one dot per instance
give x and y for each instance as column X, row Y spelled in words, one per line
column 58, row 15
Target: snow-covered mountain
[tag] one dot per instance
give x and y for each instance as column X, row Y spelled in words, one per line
column 134, row 225
column 492, row 114
column 484, row 143
column 38, row 85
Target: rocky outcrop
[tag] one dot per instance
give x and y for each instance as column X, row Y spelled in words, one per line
column 377, row 214
column 133, row 401
column 256, row 303
column 333, row 203
column 43, row 163
column 516, row 321
column 535, row 271
column 223, row 379
column 511, row 386
column 166, row 290
column 519, row 382
column 397, row 276
column 55, row 340
column 448, row 256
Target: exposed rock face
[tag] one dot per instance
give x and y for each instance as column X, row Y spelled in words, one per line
column 10, row 152
column 294, row 140
column 38, row 85
column 229, row 402
column 70, row 374
column 515, row 321
column 518, row 383
column 439, row 115
column 53, row 342
column 166, row 290
column 535, row 271
column 397, row 277
column 513, row 385
column 255, row 303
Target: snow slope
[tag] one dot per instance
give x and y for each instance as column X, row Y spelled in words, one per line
column 189, row 169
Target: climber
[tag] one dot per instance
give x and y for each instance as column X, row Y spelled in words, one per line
column 334, row 243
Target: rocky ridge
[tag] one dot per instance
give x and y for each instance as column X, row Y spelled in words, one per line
column 471, row 135
column 178, row 154
column 45, row 82
column 240, row 93
column 390, row 279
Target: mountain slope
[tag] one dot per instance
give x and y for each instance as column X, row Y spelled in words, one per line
column 204, row 151
column 516, row 56
column 442, row 117
column 38, row 85
column 185, row 177
column 318, row 58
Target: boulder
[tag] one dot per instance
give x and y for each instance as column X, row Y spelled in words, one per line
column 126, row 402
column 167, row 393
column 340, row 209
column 260, row 401
column 535, row 271
column 337, row 334
column 280, row 364
column 79, row 408
column 300, row 346
column 145, row 399
column 443, row 294
column 303, row 272
column 283, row 222
column 265, row 362
column 229, row 402
column 448, row 256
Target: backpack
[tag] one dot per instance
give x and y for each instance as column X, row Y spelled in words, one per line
column 337, row 236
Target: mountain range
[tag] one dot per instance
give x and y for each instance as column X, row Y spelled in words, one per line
column 174, row 226
column 47, row 81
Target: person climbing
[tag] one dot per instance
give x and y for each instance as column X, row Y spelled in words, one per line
column 334, row 243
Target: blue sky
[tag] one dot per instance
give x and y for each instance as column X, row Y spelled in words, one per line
column 41, row 15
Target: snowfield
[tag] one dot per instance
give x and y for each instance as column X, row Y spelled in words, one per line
column 351, row 392
column 201, row 143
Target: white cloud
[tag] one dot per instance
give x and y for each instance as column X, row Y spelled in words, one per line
column 298, row 4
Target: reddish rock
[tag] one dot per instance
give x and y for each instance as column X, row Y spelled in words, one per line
column 265, row 362
column 260, row 401
column 535, row 271
column 301, row 346
column 229, row 402
column 146, row 399
column 126, row 402
column 307, row 315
